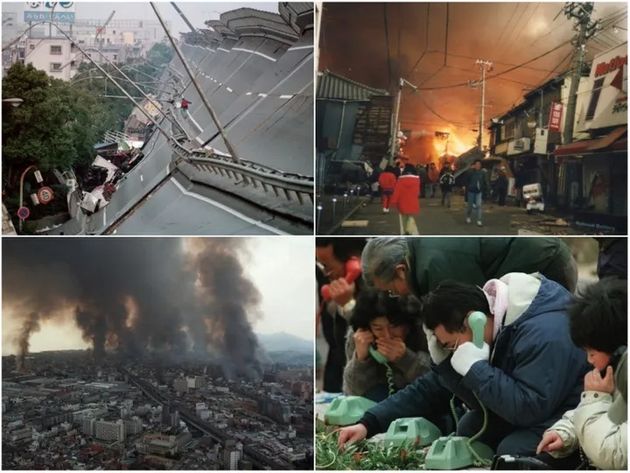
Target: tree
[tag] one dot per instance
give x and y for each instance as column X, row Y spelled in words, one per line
column 55, row 127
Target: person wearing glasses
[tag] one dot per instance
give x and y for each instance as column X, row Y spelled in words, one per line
column 415, row 266
column 391, row 327
column 332, row 256
column 525, row 376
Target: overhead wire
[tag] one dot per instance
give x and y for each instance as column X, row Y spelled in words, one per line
column 499, row 74
column 389, row 60
column 426, row 41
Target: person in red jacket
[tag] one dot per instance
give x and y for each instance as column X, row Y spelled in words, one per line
column 406, row 198
column 387, row 182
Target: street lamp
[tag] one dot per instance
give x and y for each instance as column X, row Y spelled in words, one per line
column 38, row 176
column 14, row 102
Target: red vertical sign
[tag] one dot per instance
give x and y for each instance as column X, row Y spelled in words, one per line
column 555, row 116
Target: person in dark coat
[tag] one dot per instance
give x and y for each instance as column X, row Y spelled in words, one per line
column 391, row 326
column 332, row 255
column 476, row 187
column 533, row 376
column 447, row 180
column 418, row 265
column 501, row 187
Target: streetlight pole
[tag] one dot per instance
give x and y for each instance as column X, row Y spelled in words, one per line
column 32, row 166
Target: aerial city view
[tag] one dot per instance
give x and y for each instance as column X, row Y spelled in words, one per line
column 155, row 354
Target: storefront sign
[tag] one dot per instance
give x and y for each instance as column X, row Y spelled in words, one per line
column 555, row 116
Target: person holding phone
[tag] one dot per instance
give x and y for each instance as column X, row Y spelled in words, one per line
column 385, row 331
column 598, row 322
column 525, row 374
column 333, row 256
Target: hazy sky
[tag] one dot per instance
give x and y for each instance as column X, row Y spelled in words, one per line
column 280, row 268
column 196, row 12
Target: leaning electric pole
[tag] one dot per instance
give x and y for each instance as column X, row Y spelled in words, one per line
column 581, row 13
column 485, row 66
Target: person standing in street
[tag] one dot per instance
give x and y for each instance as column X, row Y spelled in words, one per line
column 433, row 177
column 387, row 183
column 502, row 187
column 447, row 180
column 407, row 198
column 475, row 187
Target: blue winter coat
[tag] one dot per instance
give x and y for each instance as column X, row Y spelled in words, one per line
column 535, row 373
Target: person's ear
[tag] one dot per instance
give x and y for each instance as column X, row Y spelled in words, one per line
column 401, row 270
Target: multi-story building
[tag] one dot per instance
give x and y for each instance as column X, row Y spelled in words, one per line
column 58, row 57
column 133, row 426
column 106, row 430
column 21, row 434
column 232, row 454
column 587, row 175
column 180, row 385
column 523, row 137
column 593, row 168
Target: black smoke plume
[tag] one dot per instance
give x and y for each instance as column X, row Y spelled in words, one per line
column 136, row 296
column 30, row 325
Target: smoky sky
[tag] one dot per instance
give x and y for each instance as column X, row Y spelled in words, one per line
column 137, row 295
column 376, row 43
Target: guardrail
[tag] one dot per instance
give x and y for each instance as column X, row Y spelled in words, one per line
column 290, row 186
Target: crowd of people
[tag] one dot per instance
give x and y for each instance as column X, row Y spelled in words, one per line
column 548, row 382
column 401, row 186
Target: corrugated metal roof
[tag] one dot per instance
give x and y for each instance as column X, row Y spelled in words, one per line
column 334, row 86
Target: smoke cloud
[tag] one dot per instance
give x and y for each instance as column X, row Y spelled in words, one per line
column 133, row 296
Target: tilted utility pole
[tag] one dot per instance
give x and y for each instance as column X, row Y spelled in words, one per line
column 485, row 66
column 395, row 125
column 202, row 95
column 581, row 13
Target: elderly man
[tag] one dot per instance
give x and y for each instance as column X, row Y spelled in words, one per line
column 417, row 265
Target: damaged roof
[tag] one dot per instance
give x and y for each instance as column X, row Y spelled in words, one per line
column 336, row 87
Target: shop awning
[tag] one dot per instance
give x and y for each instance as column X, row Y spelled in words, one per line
column 615, row 140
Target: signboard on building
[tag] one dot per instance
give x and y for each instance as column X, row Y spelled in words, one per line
column 555, row 116
column 62, row 12
column 606, row 103
column 518, row 146
column 540, row 142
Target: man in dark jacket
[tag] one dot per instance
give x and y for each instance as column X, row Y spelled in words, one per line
column 332, row 255
column 417, row 265
column 525, row 375
column 476, row 186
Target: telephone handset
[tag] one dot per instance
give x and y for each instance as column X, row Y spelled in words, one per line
column 353, row 271
column 377, row 355
column 477, row 323
column 614, row 359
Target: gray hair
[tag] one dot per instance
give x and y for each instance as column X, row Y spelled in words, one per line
column 380, row 257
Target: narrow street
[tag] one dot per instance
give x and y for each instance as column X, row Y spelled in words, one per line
column 434, row 219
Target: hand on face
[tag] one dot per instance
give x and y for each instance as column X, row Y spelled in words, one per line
column 593, row 381
column 363, row 338
column 437, row 352
column 392, row 348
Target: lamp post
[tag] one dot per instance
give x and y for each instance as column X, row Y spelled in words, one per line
column 32, row 166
